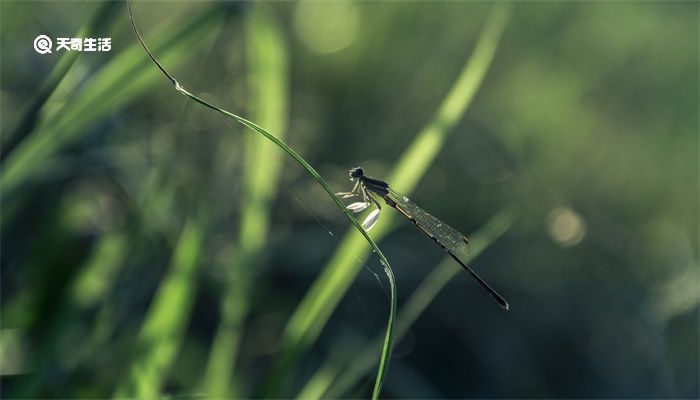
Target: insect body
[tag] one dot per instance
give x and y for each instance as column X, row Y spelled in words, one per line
column 449, row 239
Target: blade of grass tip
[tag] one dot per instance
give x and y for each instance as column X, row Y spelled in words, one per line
column 419, row 300
column 386, row 354
column 101, row 19
column 123, row 79
column 163, row 328
column 315, row 309
column 269, row 86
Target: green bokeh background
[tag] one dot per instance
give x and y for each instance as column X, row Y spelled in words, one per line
column 151, row 247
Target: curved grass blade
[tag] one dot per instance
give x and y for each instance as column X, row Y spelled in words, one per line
column 388, row 340
column 315, row 309
column 419, row 300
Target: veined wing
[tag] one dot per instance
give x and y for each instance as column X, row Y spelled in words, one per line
column 444, row 234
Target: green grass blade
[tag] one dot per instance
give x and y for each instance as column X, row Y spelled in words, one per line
column 269, row 87
column 277, row 377
column 163, row 328
column 91, row 285
column 430, row 140
column 124, row 78
column 316, row 307
column 386, row 354
column 97, row 276
column 320, row 382
column 419, row 300
column 388, row 346
column 101, row 19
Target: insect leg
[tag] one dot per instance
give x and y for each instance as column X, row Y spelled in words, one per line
column 352, row 193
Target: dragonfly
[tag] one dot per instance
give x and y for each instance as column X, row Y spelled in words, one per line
column 448, row 238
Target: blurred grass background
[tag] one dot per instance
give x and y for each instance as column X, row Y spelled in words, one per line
column 152, row 248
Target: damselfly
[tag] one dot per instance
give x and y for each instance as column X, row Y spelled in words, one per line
column 453, row 242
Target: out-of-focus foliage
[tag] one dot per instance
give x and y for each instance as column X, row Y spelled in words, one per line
column 139, row 228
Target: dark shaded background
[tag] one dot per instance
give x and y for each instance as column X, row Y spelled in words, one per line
column 587, row 122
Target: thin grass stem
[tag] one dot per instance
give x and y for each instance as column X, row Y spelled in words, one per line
column 388, row 340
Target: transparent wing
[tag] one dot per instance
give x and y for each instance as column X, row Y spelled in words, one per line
column 444, row 234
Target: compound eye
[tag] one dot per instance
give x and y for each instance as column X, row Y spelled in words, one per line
column 356, row 172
